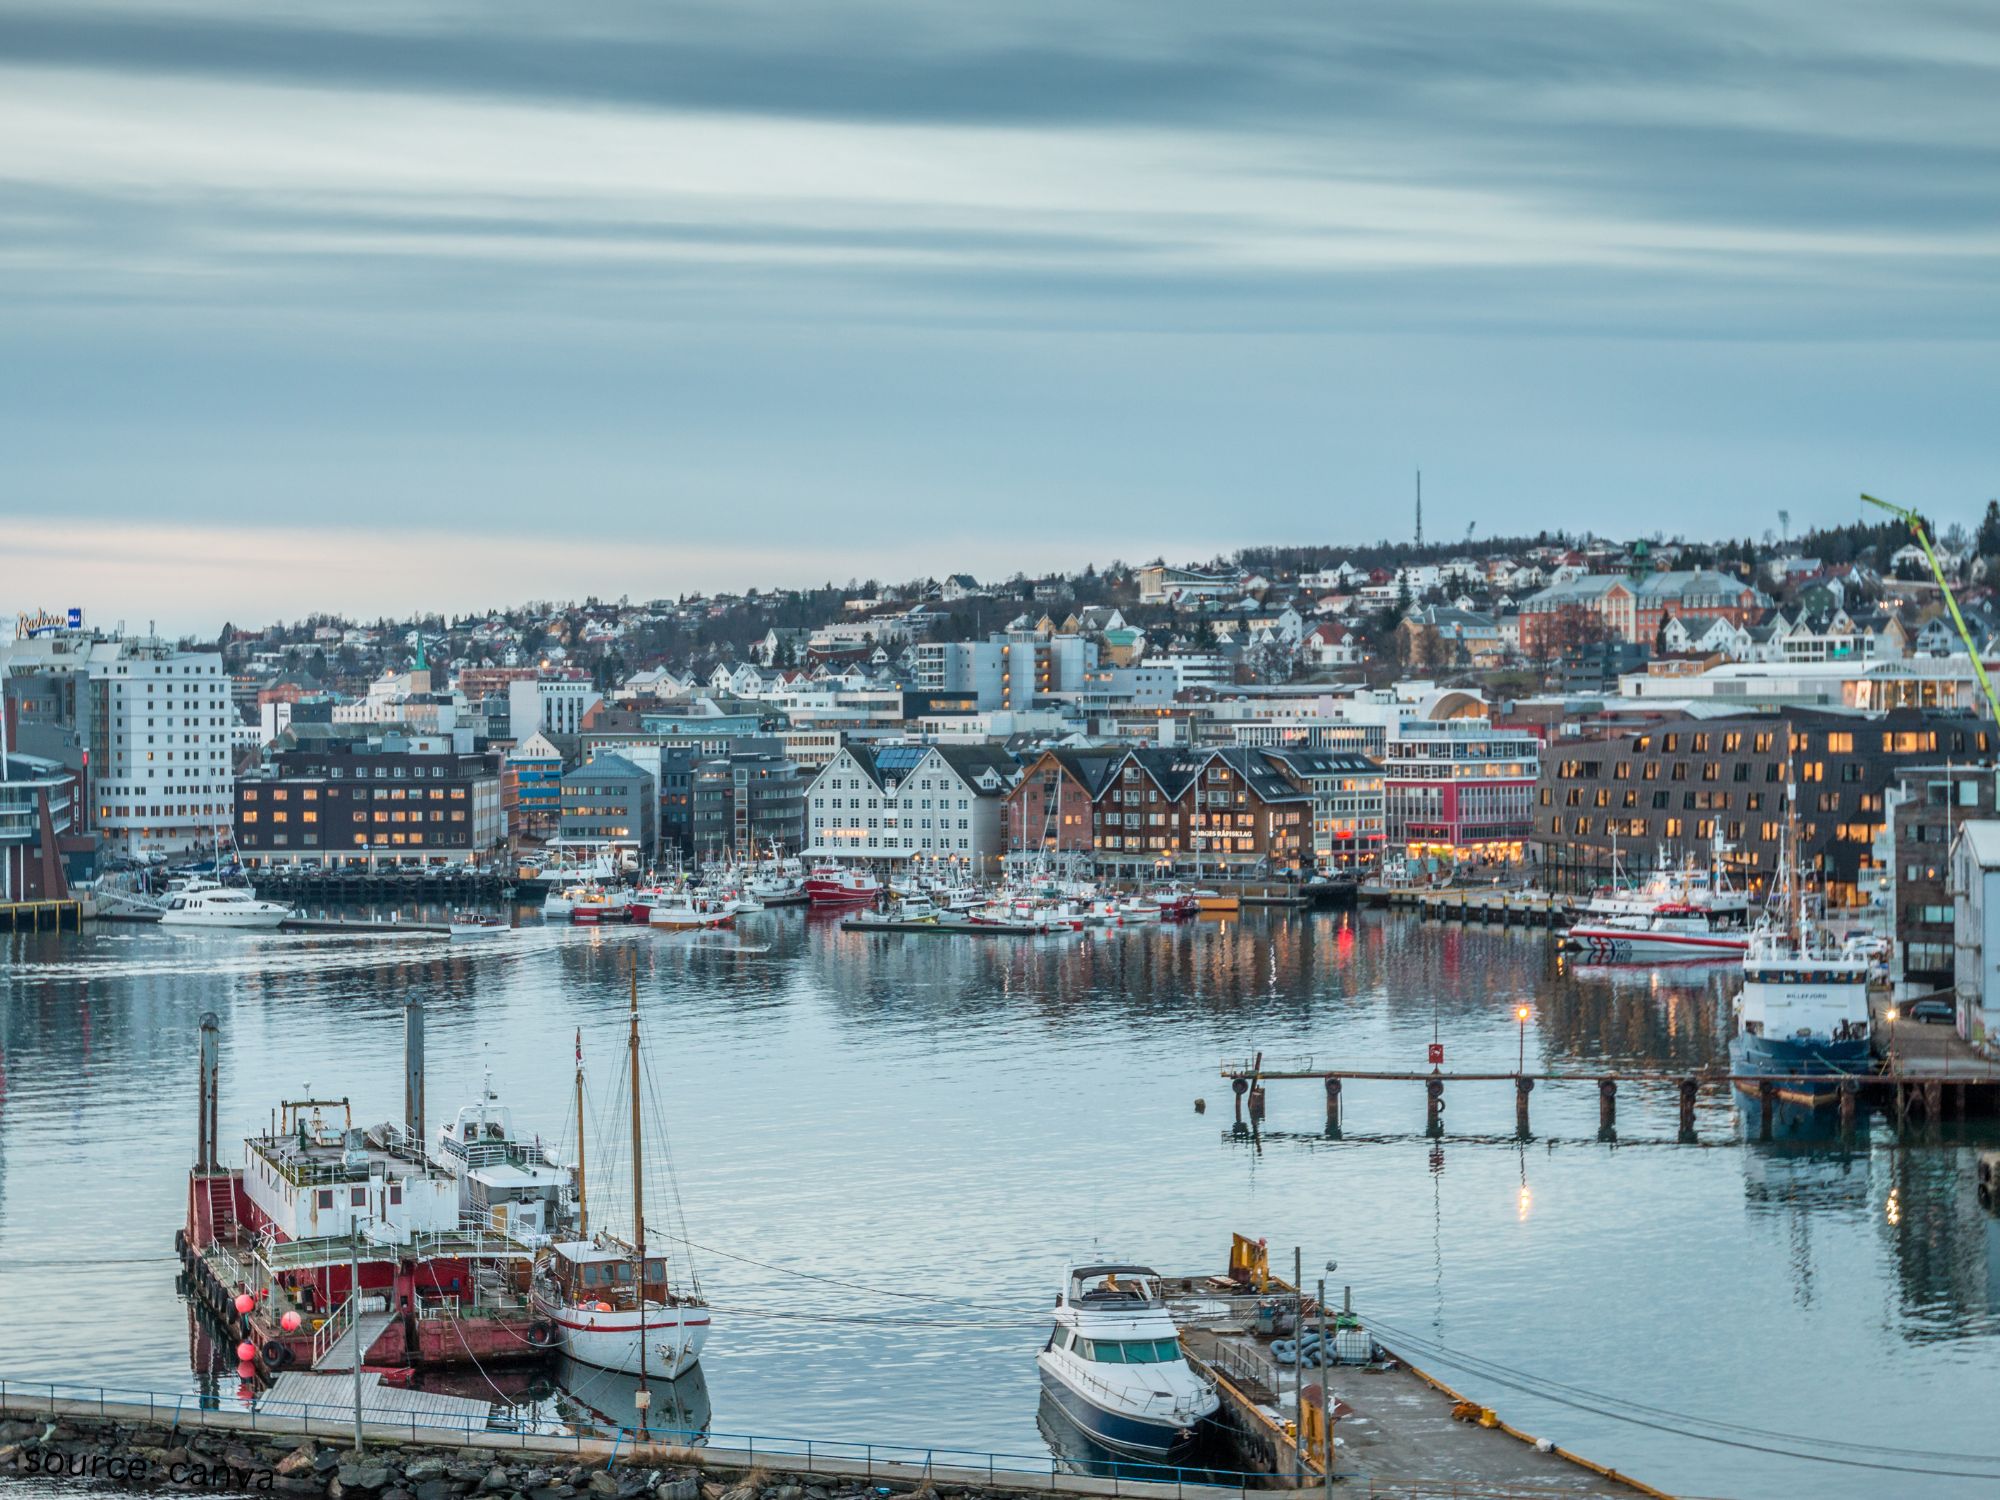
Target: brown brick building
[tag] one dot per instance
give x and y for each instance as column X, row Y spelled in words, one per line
column 1662, row 791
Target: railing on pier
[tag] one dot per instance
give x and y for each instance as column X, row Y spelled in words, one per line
column 335, row 1328
column 903, row 1464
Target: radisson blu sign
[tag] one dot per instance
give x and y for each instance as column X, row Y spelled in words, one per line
column 46, row 622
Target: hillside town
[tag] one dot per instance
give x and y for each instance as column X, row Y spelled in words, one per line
column 1555, row 711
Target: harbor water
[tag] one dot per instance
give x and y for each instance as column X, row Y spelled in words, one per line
column 887, row 1148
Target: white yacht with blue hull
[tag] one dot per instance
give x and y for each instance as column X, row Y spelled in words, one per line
column 1113, row 1363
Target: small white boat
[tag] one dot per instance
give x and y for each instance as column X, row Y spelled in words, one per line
column 204, row 903
column 473, row 925
column 1138, row 909
column 1113, row 1363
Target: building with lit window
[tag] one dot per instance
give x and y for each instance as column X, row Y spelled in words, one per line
column 148, row 725
column 538, row 767
column 609, row 802
column 1668, row 790
column 1458, row 787
column 370, row 803
column 904, row 803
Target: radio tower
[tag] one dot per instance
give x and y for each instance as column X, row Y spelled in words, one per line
column 1420, row 507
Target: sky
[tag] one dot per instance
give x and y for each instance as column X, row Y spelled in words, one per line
column 445, row 304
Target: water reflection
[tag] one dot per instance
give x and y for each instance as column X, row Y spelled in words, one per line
column 869, row 1110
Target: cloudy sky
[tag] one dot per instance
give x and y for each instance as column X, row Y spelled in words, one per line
column 360, row 305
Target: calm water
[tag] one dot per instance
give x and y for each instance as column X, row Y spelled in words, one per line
column 941, row 1124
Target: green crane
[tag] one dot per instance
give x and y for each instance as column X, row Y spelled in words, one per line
column 1915, row 522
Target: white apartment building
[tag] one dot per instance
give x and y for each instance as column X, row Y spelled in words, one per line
column 553, row 705
column 161, row 727
column 898, row 803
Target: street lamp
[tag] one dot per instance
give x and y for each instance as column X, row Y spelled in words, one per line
column 1521, row 1063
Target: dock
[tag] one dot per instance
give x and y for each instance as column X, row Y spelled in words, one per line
column 41, row 916
column 1494, row 906
column 943, row 926
column 1913, row 1089
column 1394, row 1428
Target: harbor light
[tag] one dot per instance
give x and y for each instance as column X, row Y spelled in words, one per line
column 1521, row 1061
column 1890, row 1015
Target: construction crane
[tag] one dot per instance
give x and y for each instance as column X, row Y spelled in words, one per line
column 1915, row 522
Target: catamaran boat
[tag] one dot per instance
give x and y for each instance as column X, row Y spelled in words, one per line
column 613, row 1302
column 206, row 903
column 1113, row 1363
column 836, row 885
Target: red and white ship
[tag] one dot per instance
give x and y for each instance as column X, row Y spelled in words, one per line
column 335, row 1245
column 837, row 885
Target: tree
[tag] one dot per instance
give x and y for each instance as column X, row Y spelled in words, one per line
column 1989, row 530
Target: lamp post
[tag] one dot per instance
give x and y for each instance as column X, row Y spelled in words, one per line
column 1521, row 1061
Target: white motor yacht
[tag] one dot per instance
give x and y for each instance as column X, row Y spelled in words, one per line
column 204, row 903
column 1113, row 1363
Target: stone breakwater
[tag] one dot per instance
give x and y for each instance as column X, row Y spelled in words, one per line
column 188, row 1454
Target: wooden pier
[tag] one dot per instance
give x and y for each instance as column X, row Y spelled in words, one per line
column 1376, row 1419
column 41, row 916
column 1494, row 906
column 1910, row 1097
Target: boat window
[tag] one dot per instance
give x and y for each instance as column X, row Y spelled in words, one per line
column 1107, row 1352
column 620, row 1272
column 656, row 1270
column 590, row 1276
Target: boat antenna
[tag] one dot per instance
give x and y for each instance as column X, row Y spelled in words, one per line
column 582, row 1181
column 644, row 1397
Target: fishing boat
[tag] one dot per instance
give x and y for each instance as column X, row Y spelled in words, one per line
column 592, row 906
column 1113, row 1363
column 692, row 913
column 1802, row 1015
column 475, row 924
column 836, row 885
column 1672, row 930
column 613, row 1302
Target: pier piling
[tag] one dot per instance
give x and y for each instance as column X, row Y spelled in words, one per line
column 1607, row 1109
column 1849, row 1092
column 1523, row 1086
column 1239, row 1087
column 1433, row 1107
column 1767, row 1093
column 1256, row 1104
column 1688, row 1087
column 1333, row 1109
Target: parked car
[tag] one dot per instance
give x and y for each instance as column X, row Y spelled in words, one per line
column 1933, row 1010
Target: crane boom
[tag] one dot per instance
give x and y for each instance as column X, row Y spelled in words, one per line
column 1915, row 522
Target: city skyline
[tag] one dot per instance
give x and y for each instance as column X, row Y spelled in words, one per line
column 373, row 308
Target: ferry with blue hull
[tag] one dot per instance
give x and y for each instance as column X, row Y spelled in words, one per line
column 1113, row 1364
column 1802, row 1016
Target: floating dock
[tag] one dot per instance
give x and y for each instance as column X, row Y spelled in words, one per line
column 1394, row 1428
column 946, row 927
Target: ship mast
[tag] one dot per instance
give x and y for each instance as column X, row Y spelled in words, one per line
column 582, row 1181
column 644, row 1398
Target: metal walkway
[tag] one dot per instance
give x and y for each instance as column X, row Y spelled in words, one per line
column 341, row 1353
